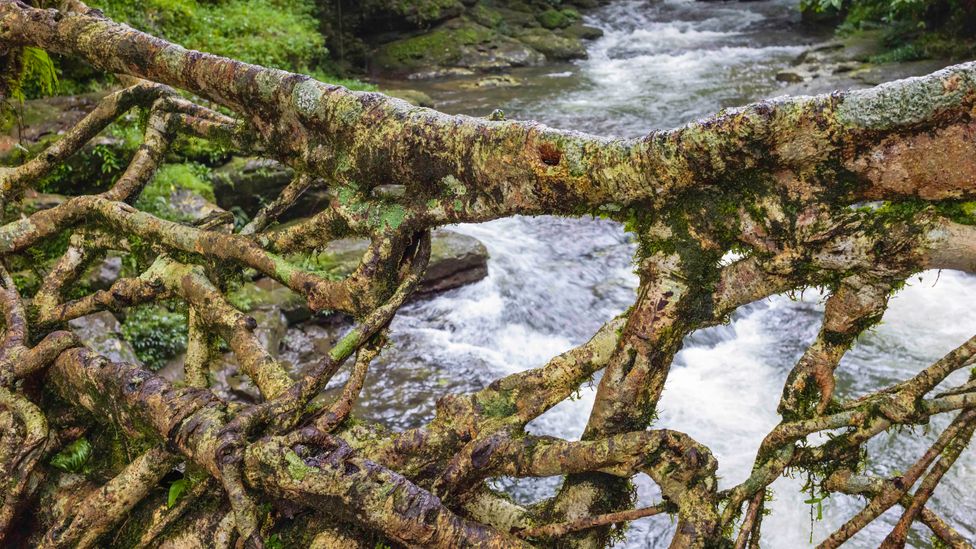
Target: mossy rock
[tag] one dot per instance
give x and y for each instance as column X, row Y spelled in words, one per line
column 423, row 12
column 102, row 333
column 555, row 46
column 414, row 97
column 558, row 19
column 455, row 260
column 246, row 184
column 458, row 44
column 583, row 32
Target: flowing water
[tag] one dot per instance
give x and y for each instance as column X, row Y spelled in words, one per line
column 552, row 282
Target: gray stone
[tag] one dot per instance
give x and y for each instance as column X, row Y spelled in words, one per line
column 456, row 260
column 104, row 273
column 102, row 333
column 414, row 97
column 249, row 183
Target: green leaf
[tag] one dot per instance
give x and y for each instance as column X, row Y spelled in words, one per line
column 176, row 490
column 274, row 542
column 73, row 457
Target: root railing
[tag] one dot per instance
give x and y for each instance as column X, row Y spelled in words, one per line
column 851, row 192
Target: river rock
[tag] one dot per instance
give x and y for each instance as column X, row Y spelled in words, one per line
column 102, row 333
column 850, row 62
column 414, row 97
column 456, row 260
column 249, row 183
column 493, row 81
column 104, row 273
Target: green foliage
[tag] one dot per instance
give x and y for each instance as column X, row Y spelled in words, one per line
column 913, row 29
column 156, row 197
column 176, row 490
column 36, row 75
column 275, row 33
column 156, row 333
column 274, row 542
column 74, row 457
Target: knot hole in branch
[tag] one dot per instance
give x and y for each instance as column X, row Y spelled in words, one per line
column 549, row 154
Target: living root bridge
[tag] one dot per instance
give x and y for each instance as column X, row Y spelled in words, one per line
column 852, row 192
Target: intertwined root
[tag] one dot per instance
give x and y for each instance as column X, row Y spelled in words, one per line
column 774, row 181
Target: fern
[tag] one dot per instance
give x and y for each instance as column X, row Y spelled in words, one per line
column 37, row 75
column 73, row 457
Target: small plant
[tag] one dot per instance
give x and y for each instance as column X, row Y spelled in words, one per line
column 156, row 333
column 74, row 457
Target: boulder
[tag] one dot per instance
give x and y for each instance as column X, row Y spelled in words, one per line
column 104, row 273
column 460, row 43
column 492, row 81
column 414, row 97
column 456, row 260
column 248, row 183
column 102, row 333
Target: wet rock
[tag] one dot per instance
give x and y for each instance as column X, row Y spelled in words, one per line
column 103, row 333
column 789, row 76
column 849, row 63
column 555, row 47
column 460, row 43
column 35, row 201
column 493, row 81
column 306, row 343
column 584, row 32
column 248, row 183
column 414, row 97
column 456, row 260
column 229, row 383
column 192, row 207
column 557, row 19
column 271, row 326
column 104, row 273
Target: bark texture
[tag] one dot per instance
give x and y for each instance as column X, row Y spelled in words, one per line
column 853, row 192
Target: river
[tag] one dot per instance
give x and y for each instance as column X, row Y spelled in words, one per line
column 552, row 282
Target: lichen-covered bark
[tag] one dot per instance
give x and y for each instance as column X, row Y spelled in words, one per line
column 852, row 192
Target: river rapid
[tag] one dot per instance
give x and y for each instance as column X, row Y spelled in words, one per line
column 552, row 281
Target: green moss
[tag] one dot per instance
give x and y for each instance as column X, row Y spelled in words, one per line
column 297, row 468
column 274, row 33
column 439, row 47
column 425, row 11
column 497, row 404
column 156, row 197
column 558, row 19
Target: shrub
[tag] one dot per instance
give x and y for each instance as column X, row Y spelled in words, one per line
column 156, row 333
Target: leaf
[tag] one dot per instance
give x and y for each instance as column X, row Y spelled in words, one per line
column 176, row 490
column 274, row 542
column 73, row 457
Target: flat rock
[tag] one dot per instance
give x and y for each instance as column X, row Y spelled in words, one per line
column 456, row 260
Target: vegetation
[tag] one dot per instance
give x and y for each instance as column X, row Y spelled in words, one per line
column 156, row 333
column 912, row 29
column 841, row 191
